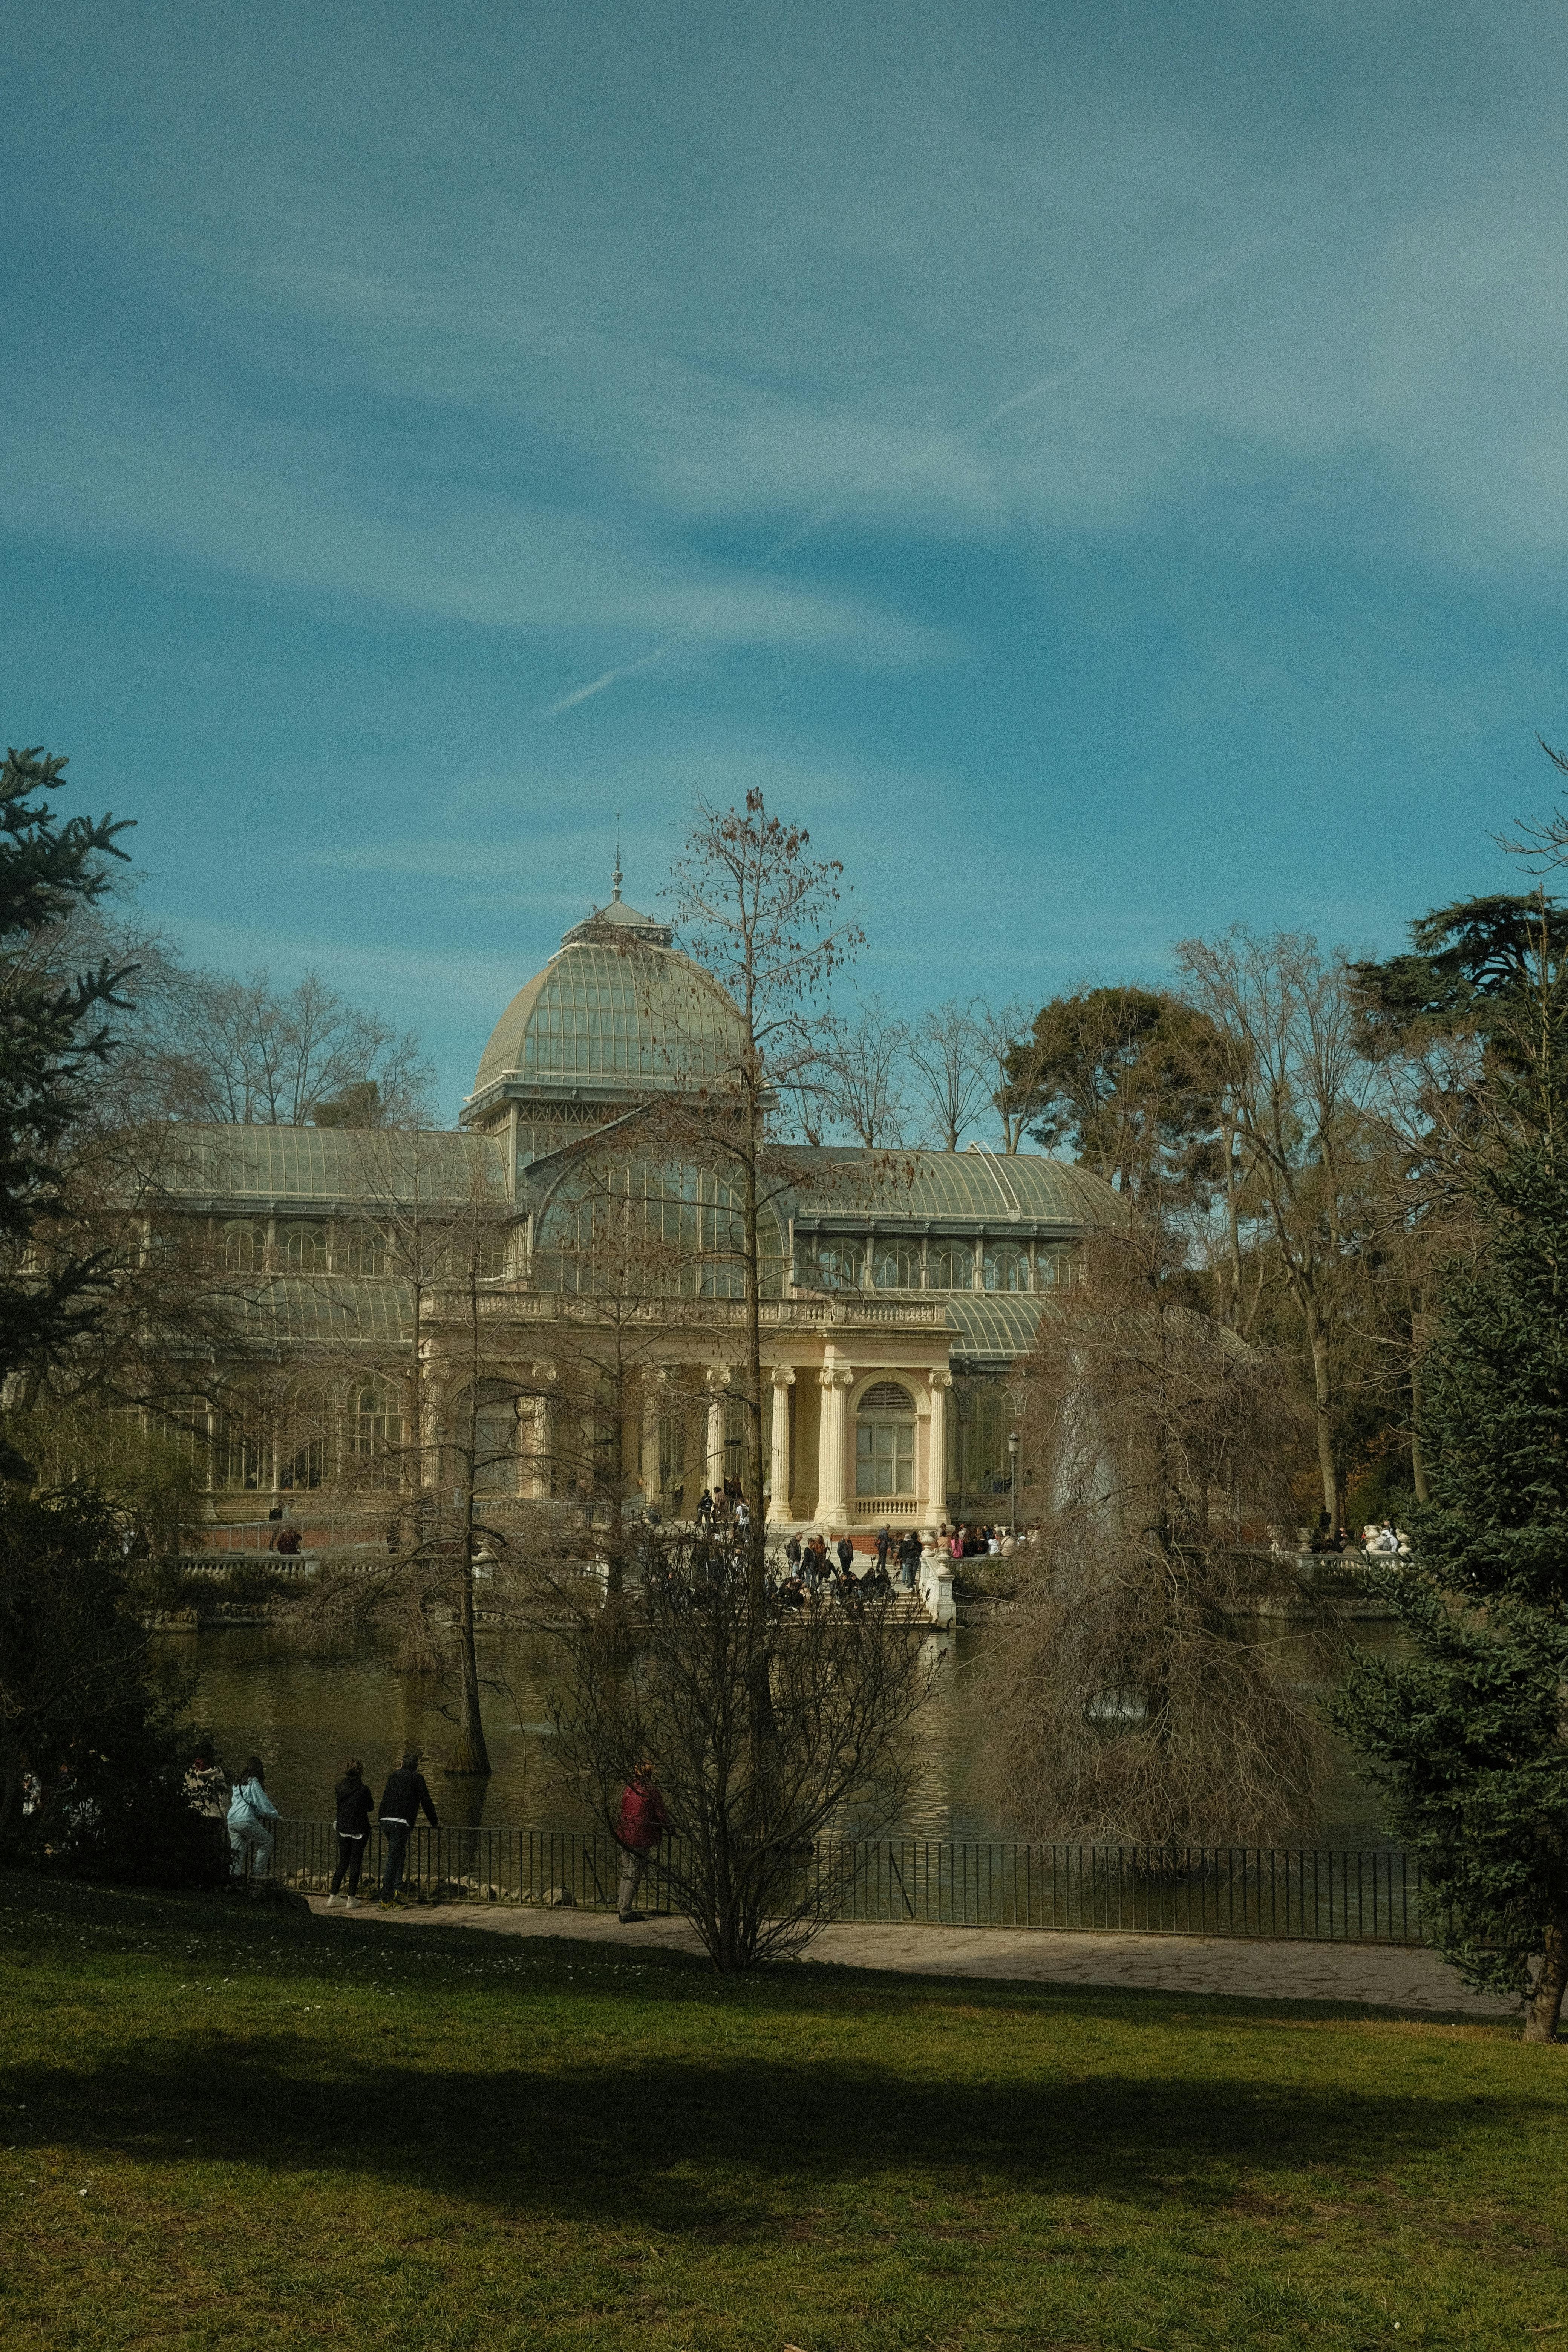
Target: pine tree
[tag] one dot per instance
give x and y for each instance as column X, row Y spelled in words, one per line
column 51, row 1291
column 1467, row 1736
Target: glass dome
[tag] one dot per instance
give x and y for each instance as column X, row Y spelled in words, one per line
column 608, row 1017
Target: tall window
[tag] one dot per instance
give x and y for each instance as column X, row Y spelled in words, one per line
column 671, row 1451
column 302, row 1464
column 839, row 1264
column 377, row 1429
column 360, row 1249
column 895, row 1266
column 495, row 1440
column 885, row 1440
column 734, row 1439
column 1006, row 1266
column 243, row 1246
column 304, row 1247
column 240, row 1453
column 951, row 1267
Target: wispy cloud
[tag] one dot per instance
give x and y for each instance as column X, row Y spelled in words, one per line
column 1059, row 380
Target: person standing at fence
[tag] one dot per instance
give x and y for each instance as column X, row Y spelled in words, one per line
column 401, row 1801
column 643, row 1822
column 354, row 1805
column 250, row 1814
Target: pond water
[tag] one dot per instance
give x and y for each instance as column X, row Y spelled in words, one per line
column 304, row 1714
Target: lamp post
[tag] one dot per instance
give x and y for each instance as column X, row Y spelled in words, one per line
column 1013, row 1479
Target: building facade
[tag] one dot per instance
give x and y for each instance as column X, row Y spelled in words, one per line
column 573, row 1282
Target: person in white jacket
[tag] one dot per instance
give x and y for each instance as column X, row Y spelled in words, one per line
column 250, row 1812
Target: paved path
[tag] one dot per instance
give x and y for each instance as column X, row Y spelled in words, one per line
column 1384, row 1976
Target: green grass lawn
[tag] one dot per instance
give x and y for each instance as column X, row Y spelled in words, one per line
column 221, row 2124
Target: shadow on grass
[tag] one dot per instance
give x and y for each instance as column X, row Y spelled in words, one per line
column 692, row 2146
column 695, row 2138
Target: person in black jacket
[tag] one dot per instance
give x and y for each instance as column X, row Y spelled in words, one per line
column 401, row 1800
column 355, row 1805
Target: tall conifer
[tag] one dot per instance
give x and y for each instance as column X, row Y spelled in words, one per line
column 1466, row 1736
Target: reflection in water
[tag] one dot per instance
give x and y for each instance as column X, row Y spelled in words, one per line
column 304, row 1715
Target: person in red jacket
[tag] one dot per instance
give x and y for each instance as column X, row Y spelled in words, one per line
column 643, row 1822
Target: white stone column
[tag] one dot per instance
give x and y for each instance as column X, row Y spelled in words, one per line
column 780, row 1473
column 652, row 1415
column 936, row 1448
column 717, row 1384
column 835, row 1379
column 543, row 1436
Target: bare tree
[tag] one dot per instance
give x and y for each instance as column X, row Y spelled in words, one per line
column 1298, row 1088
column 998, row 1028
column 860, row 1060
column 768, row 1728
column 950, row 1060
column 761, row 919
column 420, row 1445
column 1138, row 1694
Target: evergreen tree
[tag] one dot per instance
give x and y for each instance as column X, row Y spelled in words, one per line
column 1467, row 1736
column 51, row 1289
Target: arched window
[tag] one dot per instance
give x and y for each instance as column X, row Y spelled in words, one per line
column 302, row 1456
column 1006, row 1266
column 240, row 1451
column 377, row 1432
column 360, row 1249
column 243, row 1243
column 951, row 1267
column 495, row 1438
column 303, row 1247
column 885, row 1440
column 895, row 1266
column 1055, row 1268
column 839, row 1264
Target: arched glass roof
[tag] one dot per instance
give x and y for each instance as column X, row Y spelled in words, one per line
column 644, row 1017
column 959, row 1188
column 333, row 1165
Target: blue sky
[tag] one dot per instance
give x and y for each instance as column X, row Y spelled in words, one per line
column 1102, row 468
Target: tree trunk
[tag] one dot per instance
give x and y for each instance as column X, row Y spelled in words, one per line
column 1545, row 2004
column 10, row 1789
column 1322, row 1416
column 1417, row 1451
column 469, row 1754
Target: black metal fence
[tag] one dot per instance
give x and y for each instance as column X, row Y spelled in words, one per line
column 1323, row 1894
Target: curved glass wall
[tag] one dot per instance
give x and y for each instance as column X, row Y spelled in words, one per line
column 646, row 1230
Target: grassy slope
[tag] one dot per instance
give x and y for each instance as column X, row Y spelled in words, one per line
column 220, row 2126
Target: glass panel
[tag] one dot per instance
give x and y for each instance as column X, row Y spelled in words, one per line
column 951, row 1267
column 244, row 1244
column 896, row 1266
column 361, row 1249
column 304, row 1248
column 839, row 1264
column 241, row 1455
column 884, row 1457
column 886, row 1397
column 1007, row 1267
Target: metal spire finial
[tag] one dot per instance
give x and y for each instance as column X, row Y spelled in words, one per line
column 616, row 876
